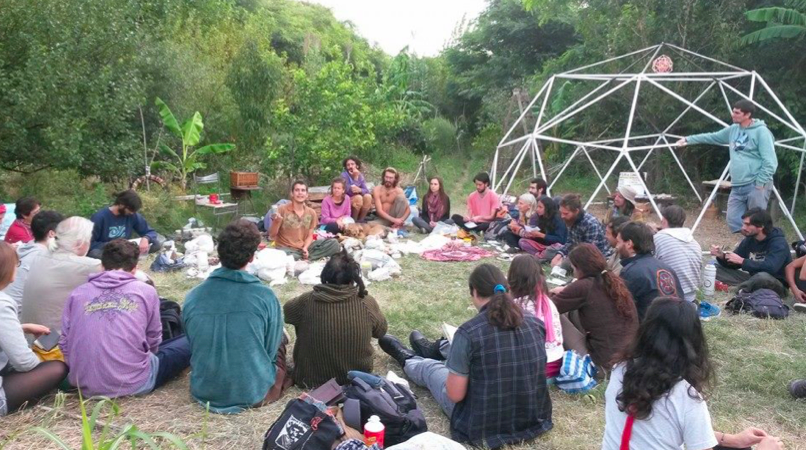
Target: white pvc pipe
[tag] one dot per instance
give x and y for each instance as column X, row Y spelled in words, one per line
column 511, row 165
column 518, row 166
column 682, row 169
column 678, row 97
column 705, row 57
column 797, row 183
column 794, row 128
column 567, row 163
column 607, row 175
column 596, row 169
column 710, row 198
column 786, row 212
column 615, row 58
column 560, row 117
column 646, row 188
column 780, row 105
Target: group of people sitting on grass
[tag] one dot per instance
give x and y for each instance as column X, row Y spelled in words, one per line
column 629, row 307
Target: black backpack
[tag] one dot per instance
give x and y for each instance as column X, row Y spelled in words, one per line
column 171, row 318
column 393, row 403
column 762, row 303
column 305, row 424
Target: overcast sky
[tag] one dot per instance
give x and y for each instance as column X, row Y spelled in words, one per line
column 424, row 25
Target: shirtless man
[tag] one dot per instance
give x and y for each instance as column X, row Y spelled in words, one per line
column 391, row 205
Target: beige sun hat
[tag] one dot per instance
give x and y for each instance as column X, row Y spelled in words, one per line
column 629, row 193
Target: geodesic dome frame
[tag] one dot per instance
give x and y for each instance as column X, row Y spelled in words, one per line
column 723, row 76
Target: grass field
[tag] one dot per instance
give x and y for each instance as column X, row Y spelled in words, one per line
column 755, row 359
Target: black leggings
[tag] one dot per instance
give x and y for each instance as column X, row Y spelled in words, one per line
column 28, row 387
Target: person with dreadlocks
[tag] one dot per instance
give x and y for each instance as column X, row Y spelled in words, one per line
column 335, row 324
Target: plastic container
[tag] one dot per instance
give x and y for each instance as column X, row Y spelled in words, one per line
column 709, row 279
column 374, row 432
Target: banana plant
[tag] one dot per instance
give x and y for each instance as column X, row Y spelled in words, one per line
column 186, row 161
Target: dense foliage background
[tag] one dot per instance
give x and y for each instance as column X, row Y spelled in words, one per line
column 295, row 90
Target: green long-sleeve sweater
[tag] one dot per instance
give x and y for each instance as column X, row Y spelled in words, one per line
column 234, row 325
column 334, row 333
column 752, row 151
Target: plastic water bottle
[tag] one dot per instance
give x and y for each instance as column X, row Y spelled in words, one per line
column 709, row 279
column 374, row 432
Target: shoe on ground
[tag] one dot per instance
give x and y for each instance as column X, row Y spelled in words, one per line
column 798, row 388
column 394, row 348
column 799, row 307
column 708, row 311
column 423, row 347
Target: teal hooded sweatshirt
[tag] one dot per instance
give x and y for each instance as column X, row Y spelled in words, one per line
column 752, row 152
column 235, row 325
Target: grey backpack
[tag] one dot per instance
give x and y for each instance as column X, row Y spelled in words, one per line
column 762, row 303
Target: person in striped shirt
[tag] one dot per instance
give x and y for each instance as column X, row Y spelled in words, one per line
column 676, row 246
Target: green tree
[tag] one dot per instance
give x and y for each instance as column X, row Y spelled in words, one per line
column 69, row 85
column 330, row 113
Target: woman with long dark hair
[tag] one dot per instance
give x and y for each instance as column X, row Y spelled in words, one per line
column 493, row 385
column 436, row 207
column 551, row 233
column 335, row 324
column 599, row 315
column 655, row 398
column 530, row 292
column 23, row 378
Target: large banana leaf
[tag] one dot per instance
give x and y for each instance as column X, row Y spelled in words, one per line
column 774, row 32
column 168, row 151
column 777, row 15
column 168, row 118
column 191, row 130
column 215, row 148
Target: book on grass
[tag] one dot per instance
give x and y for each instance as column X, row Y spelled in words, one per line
column 470, row 225
column 448, row 331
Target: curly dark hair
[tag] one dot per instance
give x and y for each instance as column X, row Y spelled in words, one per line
column 589, row 260
column 343, row 270
column 237, row 244
column 670, row 347
column 352, row 158
column 120, row 254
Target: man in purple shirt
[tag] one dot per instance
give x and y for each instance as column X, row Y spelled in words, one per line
column 112, row 334
column 357, row 189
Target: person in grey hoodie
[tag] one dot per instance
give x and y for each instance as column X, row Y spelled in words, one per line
column 43, row 227
column 752, row 160
column 764, row 252
column 675, row 246
column 23, row 378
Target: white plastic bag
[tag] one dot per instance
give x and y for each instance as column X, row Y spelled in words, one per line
column 203, row 243
column 443, row 229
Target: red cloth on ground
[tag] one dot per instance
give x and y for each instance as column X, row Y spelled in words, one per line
column 456, row 252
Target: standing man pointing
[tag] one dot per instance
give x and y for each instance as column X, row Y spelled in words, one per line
column 752, row 160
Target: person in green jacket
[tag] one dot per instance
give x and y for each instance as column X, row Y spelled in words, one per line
column 235, row 327
column 752, row 160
